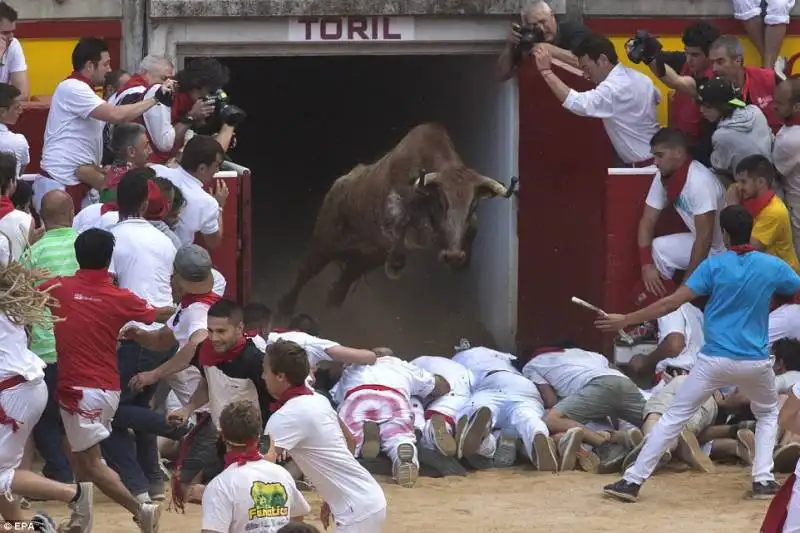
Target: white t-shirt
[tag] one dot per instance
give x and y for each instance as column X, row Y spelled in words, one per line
column 687, row 320
column 187, row 321
column 407, row 379
column 15, row 357
column 701, row 193
column 784, row 382
column 16, row 225
column 784, row 322
column 786, row 152
column 457, row 375
column 14, row 61
column 142, row 262
column 260, row 343
column 91, row 216
column 72, row 138
column 17, row 144
column 219, row 283
column 308, row 428
column 481, row 361
column 568, row 371
column 315, row 347
column 201, row 212
column 257, row 497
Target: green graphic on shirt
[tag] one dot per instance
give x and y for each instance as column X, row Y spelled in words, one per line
column 269, row 501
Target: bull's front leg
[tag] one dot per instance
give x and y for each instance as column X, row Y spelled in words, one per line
column 396, row 256
column 469, row 238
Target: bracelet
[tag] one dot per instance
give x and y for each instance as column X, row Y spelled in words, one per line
column 546, row 71
column 645, row 255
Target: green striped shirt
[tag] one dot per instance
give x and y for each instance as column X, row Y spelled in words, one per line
column 54, row 252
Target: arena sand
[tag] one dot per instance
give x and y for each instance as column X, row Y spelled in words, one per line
column 513, row 501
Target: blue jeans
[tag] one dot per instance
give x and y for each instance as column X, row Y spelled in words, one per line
column 134, row 455
column 48, row 433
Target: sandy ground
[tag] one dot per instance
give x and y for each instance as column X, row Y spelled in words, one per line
column 517, row 500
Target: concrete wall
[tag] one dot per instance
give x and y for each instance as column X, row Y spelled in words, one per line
column 67, row 9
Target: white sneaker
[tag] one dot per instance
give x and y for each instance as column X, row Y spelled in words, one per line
column 405, row 471
column 149, row 515
column 780, row 67
column 80, row 519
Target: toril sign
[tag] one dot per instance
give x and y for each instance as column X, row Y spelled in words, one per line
column 345, row 29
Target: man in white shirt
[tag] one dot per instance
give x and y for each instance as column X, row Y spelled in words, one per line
column 624, row 99
column 252, row 495
column 16, row 226
column 786, row 150
column 784, row 322
column 10, row 110
column 73, row 137
column 698, row 198
column 13, row 69
column 202, row 214
column 306, row 426
column 503, row 402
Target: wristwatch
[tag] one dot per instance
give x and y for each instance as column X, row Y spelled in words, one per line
column 186, row 119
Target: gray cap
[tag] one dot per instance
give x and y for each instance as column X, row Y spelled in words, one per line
column 193, row 263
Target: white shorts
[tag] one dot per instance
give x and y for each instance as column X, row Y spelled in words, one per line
column 24, row 404
column 93, row 425
column 778, row 11
column 371, row 524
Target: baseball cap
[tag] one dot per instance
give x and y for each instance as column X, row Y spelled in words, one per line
column 717, row 91
column 193, row 263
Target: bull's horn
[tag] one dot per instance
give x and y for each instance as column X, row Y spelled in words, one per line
column 425, row 178
column 499, row 189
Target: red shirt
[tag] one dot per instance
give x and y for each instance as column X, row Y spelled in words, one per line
column 94, row 310
column 759, row 90
column 684, row 110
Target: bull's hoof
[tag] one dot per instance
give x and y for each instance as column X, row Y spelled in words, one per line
column 394, row 265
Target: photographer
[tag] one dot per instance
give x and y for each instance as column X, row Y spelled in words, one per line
column 539, row 26
column 684, row 112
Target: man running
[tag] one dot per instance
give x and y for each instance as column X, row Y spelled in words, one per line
column 740, row 284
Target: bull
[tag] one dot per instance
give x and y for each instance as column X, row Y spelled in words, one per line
column 420, row 195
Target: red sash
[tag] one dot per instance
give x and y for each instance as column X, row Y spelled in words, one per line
column 676, row 182
column 778, row 508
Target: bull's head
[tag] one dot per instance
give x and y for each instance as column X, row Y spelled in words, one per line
column 449, row 198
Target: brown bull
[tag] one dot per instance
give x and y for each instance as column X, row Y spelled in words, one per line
column 419, row 195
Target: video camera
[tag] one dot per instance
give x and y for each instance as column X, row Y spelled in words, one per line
column 643, row 47
column 529, row 36
column 226, row 112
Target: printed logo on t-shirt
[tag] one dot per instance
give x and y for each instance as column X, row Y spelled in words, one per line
column 270, row 500
column 681, row 204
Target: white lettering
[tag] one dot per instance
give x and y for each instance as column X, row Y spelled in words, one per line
column 351, row 29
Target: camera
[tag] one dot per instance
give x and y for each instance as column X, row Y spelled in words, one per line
column 529, row 36
column 643, row 47
column 226, row 112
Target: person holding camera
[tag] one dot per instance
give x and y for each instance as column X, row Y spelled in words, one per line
column 624, row 99
column 539, row 27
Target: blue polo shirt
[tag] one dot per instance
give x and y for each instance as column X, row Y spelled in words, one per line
column 740, row 288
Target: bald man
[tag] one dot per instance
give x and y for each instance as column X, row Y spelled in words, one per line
column 55, row 253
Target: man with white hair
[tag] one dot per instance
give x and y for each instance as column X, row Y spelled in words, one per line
column 560, row 38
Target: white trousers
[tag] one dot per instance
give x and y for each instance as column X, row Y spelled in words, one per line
column 515, row 403
column 389, row 409
column 672, row 252
column 755, row 379
column 371, row 524
column 778, row 11
column 42, row 186
column 784, row 322
column 25, row 404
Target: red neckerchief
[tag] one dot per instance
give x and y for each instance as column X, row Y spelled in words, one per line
column 677, row 181
column 779, row 508
column 108, row 207
column 794, row 120
column 6, row 206
column 207, row 356
column 756, row 205
column 136, row 80
column 114, row 175
column 741, row 249
column 251, row 333
column 289, row 394
column 546, row 349
column 241, row 456
column 209, row 298
column 181, row 104
column 80, row 77
column 157, row 207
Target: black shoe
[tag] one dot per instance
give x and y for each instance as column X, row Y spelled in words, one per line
column 764, row 490
column 623, row 490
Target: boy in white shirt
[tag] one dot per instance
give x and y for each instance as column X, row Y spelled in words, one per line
column 252, row 495
column 305, row 425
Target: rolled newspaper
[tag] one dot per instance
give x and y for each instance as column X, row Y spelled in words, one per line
column 624, row 336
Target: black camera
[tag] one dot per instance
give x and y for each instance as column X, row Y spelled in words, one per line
column 643, row 47
column 529, row 36
column 226, row 112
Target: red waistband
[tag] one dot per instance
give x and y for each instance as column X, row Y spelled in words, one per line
column 11, row 382
column 372, row 387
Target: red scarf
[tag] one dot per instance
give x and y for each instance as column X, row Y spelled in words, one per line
column 289, row 394
column 182, row 103
column 241, row 456
column 676, row 182
column 6, row 206
column 741, row 249
column 114, row 175
column 756, row 205
column 108, row 207
column 251, row 333
column 207, row 356
column 779, row 508
column 136, row 80
column 157, row 206
column 209, row 298
column 80, row 77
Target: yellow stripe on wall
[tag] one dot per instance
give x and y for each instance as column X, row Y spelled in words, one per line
column 49, row 62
